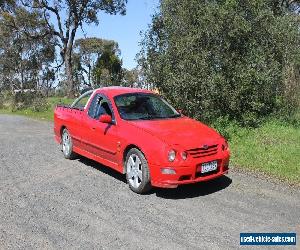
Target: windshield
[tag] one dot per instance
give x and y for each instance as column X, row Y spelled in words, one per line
column 141, row 106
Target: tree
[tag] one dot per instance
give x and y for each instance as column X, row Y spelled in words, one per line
column 221, row 58
column 87, row 51
column 69, row 16
column 130, row 78
column 26, row 48
column 7, row 4
column 108, row 68
column 279, row 7
column 48, row 79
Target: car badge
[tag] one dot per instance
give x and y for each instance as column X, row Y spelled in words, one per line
column 205, row 146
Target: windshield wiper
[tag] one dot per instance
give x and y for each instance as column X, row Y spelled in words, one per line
column 151, row 117
column 144, row 118
column 174, row 116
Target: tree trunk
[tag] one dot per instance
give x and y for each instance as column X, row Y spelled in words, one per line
column 68, row 61
column 69, row 73
column 22, row 80
column 89, row 76
column 11, row 85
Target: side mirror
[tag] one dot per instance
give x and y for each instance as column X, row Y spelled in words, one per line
column 105, row 119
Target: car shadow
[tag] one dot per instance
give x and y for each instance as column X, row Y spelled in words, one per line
column 182, row 192
column 104, row 169
column 195, row 190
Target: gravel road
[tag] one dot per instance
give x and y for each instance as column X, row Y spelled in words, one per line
column 47, row 202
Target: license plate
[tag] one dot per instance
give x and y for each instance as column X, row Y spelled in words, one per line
column 209, row 166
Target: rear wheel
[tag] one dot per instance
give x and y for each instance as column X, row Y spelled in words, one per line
column 137, row 171
column 67, row 145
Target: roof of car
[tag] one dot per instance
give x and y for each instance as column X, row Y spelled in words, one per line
column 118, row 90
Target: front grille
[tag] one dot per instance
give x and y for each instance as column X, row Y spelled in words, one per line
column 203, row 152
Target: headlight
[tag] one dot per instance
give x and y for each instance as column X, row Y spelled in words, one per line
column 184, row 155
column 172, row 155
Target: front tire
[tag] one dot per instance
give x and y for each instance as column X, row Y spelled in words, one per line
column 137, row 171
column 67, row 145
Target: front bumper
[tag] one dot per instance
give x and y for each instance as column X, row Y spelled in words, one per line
column 188, row 174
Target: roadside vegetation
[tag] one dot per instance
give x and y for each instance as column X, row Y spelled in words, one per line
column 271, row 149
column 40, row 108
column 232, row 64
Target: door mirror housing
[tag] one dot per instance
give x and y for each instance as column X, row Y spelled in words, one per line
column 105, row 119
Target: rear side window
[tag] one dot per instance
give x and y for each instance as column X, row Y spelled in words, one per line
column 81, row 101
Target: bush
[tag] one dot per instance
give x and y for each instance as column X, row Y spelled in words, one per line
column 22, row 100
column 25, row 100
column 6, row 100
column 1, row 101
column 39, row 104
column 223, row 58
column 226, row 127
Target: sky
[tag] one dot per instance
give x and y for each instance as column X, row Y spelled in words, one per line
column 124, row 29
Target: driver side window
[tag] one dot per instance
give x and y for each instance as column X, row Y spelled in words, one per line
column 99, row 106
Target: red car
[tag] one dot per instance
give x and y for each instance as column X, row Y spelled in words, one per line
column 137, row 133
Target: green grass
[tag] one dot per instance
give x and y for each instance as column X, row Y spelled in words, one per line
column 46, row 114
column 273, row 149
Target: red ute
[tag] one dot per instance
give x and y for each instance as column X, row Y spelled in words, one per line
column 138, row 133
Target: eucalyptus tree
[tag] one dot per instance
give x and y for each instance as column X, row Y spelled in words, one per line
column 289, row 5
column 65, row 17
column 7, row 4
column 86, row 53
column 26, row 47
column 130, row 78
column 108, row 68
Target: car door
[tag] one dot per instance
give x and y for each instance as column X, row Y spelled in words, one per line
column 101, row 139
column 75, row 116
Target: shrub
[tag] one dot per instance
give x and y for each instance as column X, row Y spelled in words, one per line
column 223, row 58
column 27, row 100
column 1, row 101
column 39, row 104
column 226, row 127
column 22, row 100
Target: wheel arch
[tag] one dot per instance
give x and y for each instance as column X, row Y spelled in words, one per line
column 126, row 150
column 62, row 129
